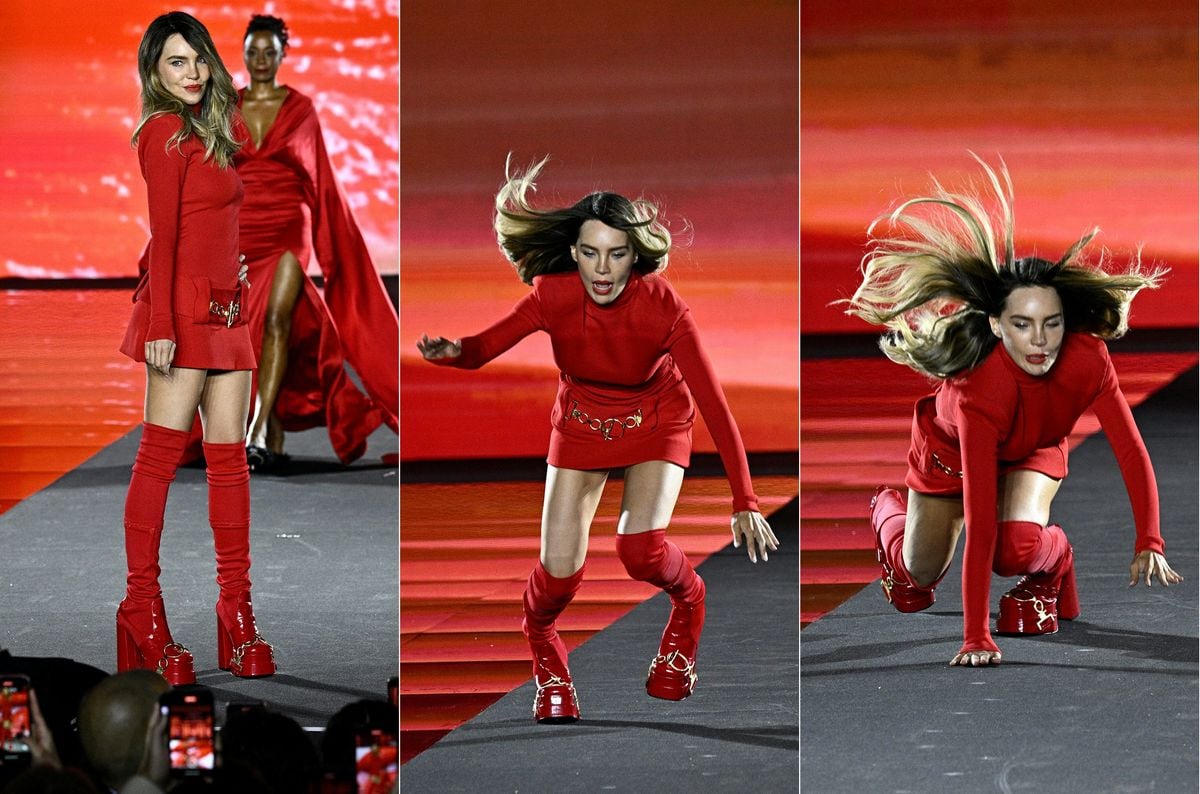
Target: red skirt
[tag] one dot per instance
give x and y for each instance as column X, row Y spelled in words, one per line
column 198, row 345
column 935, row 463
column 589, row 432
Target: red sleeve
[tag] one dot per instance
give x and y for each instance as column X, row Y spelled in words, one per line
column 523, row 320
column 164, row 173
column 980, row 443
column 697, row 371
column 1117, row 420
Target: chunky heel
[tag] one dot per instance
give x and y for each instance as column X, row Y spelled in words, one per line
column 1068, row 595
column 672, row 673
column 898, row 589
column 1039, row 600
column 555, row 701
column 240, row 648
column 144, row 642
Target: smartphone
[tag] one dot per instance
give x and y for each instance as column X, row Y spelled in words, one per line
column 376, row 761
column 15, row 725
column 394, row 690
column 189, row 713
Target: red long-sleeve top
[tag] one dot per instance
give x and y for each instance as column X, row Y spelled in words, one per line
column 997, row 413
column 643, row 345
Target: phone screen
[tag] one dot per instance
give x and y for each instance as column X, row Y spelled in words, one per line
column 14, row 715
column 376, row 761
column 190, row 733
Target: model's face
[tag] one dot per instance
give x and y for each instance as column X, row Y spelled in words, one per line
column 182, row 72
column 263, row 53
column 605, row 258
column 1031, row 328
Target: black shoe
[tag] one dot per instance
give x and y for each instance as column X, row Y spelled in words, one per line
column 264, row 461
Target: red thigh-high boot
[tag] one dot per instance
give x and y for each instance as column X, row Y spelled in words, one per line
column 887, row 522
column 545, row 598
column 143, row 637
column 650, row 557
column 1047, row 592
column 240, row 648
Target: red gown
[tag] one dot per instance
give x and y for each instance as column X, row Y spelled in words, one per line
column 996, row 418
column 192, row 257
column 293, row 203
column 626, row 370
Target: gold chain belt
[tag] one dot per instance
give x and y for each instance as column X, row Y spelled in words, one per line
column 229, row 311
column 606, row 427
column 938, row 462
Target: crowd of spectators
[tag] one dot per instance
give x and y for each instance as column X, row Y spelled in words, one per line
column 96, row 733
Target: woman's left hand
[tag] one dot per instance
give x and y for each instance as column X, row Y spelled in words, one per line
column 1150, row 564
column 243, row 270
column 750, row 526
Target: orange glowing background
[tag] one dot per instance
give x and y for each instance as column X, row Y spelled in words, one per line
column 72, row 201
column 1092, row 103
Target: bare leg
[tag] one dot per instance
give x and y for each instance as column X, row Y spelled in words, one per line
column 224, row 403
column 285, row 290
column 567, row 511
column 651, row 490
column 171, row 400
column 1026, row 496
column 931, row 529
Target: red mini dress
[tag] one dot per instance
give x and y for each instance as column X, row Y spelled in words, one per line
column 996, row 418
column 629, row 370
column 189, row 272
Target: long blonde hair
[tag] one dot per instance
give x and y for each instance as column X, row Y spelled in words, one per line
column 213, row 125
column 936, row 276
column 539, row 241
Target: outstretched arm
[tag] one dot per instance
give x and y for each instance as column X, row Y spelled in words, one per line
column 472, row 352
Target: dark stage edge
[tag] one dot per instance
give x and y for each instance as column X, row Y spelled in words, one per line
column 324, row 547
column 737, row 732
column 1109, row 704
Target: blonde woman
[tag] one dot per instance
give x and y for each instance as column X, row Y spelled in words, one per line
column 187, row 328
column 631, row 362
column 1017, row 347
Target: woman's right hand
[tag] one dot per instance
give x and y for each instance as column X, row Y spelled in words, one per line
column 438, row 347
column 159, row 355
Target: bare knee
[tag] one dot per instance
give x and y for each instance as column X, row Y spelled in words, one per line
column 923, row 575
column 278, row 323
column 563, row 565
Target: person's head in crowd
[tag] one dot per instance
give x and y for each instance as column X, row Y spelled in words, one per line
column 270, row 750
column 337, row 745
column 113, row 721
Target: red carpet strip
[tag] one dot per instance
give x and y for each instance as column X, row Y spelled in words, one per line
column 854, row 428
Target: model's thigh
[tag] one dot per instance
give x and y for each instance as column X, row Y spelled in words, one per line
column 931, row 530
column 171, row 400
column 1026, row 495
column 225, row 406
column 570, row 504
column 648, row 500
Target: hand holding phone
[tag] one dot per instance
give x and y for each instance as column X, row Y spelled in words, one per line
column 188, row 711
column 16, row 726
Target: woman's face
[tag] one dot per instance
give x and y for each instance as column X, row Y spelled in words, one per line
column 263, row 53
column 182, row 72
column 1031, row 328
column 605, row 257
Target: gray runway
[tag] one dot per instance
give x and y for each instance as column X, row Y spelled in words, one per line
column 737, row 733
column 1109, row 704
column 324, row 545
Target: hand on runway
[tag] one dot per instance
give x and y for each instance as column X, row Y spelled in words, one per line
column 750, row 526
column 438, row 347
column 1149, row 564
column 159, row 355
column 975, row 658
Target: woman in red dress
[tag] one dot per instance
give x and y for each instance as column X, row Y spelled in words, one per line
column 631, row 363
column 1017, row 347
column 187, row 327
column 292, row 209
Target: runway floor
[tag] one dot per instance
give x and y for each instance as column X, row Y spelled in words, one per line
column 324, row 550
column 1108, row 704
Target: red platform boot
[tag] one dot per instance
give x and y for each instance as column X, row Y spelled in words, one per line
column 887, row 523
column 144, row 639
column 650, row 557
column 240, row 648
column 545, row 598
column 1046, row 594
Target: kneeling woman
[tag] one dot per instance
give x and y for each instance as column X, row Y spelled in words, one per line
column 630, row 361
column 1017, row 346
